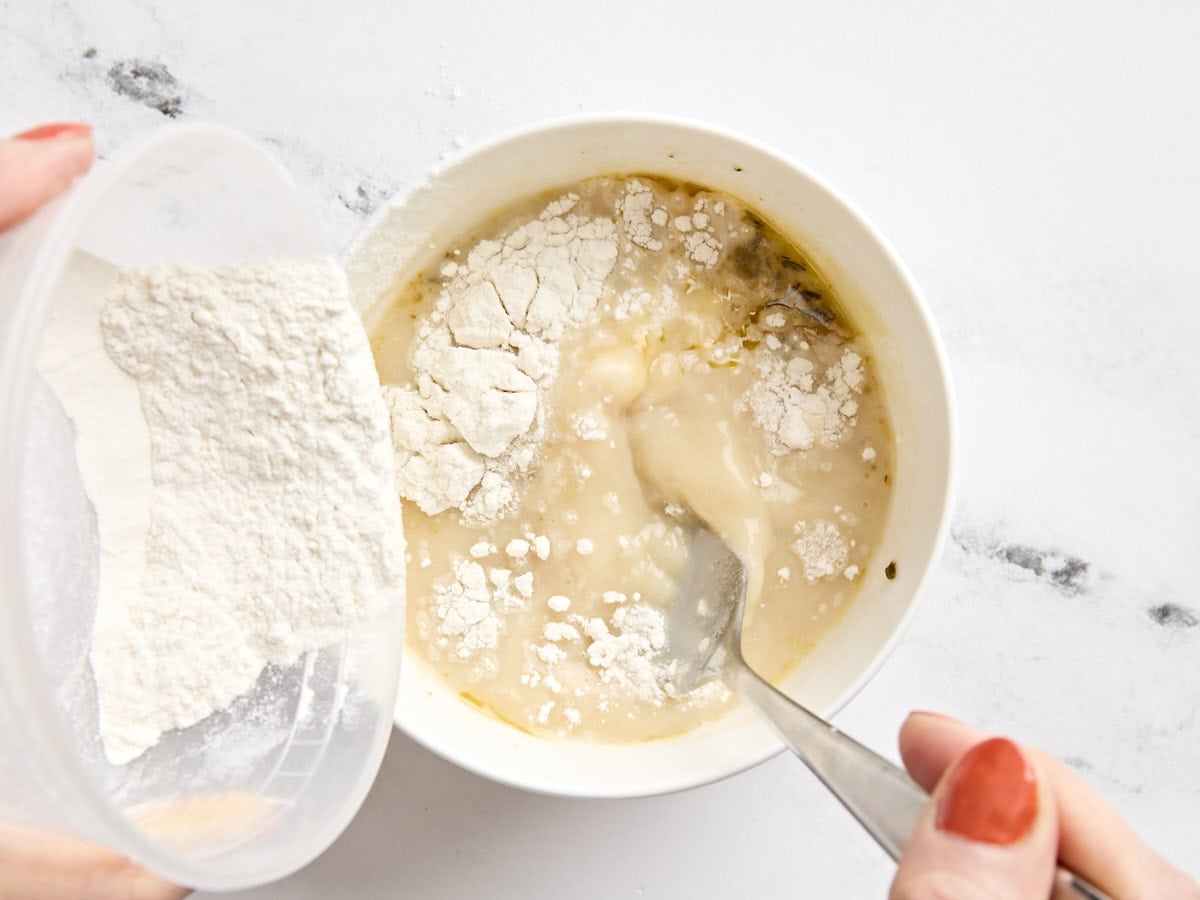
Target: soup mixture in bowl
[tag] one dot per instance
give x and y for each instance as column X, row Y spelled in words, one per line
column 575, row 383
column 591, row 336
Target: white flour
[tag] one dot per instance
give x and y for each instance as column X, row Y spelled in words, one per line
column 643, row 221
column 238, row 461
column 629, row 655
column 467, row 606
column 821, row 549
column 793, row 408
column 471, row 423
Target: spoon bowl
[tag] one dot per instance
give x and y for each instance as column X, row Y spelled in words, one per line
column 704, row 637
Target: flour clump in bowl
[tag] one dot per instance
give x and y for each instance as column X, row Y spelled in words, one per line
column 569, row 387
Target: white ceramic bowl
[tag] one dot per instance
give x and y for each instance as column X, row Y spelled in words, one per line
column 909, row 362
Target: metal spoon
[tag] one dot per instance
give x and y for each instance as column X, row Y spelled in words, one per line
column 704, row 635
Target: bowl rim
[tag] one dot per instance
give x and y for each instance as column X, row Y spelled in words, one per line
column 428, row 738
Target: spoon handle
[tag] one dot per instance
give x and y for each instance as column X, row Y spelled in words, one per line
column 886, row 802
column 881, row 796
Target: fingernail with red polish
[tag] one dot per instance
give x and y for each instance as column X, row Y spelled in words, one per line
column 936, row 715
column 991, row 795
column 57, row 131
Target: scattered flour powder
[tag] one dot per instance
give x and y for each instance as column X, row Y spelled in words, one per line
column 795, row 410
column 627, row 650
column 231, row 437
column 821, row 549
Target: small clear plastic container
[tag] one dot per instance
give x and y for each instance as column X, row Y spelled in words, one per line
column 255, row 791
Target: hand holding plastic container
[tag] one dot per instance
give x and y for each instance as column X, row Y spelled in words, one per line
column 262, row 787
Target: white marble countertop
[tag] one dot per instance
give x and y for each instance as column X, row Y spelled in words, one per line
column 1036, row 168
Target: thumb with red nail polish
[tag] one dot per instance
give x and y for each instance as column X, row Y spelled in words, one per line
column 990, row 830
column 39, row 164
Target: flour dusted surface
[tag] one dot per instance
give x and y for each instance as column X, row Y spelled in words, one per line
column 269, row 528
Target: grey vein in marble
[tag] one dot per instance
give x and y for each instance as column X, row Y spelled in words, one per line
column 1172, row 615
column 1066, row 573
column 365, row 198
column 148, row 82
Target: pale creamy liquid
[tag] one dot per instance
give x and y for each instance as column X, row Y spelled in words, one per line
column 650, row 425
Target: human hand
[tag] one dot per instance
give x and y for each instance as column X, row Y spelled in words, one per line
column 1001, row 814
column 40, row 866
column 38, row 165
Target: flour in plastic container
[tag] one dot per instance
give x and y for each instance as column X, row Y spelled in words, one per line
column 231, row 437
